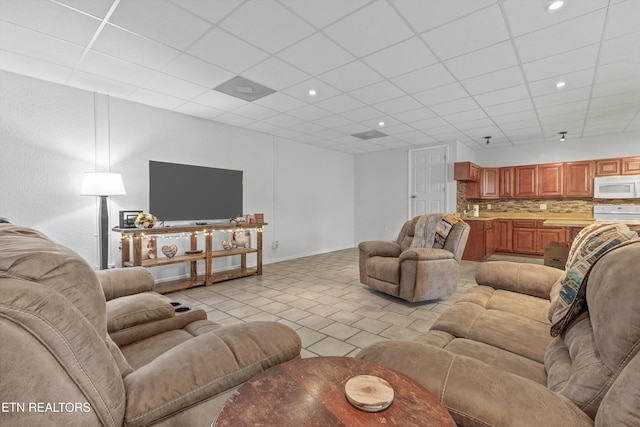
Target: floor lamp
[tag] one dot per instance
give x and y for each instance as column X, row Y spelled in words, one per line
column 103, row 185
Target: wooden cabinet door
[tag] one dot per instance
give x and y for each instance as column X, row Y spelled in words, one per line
column 524, row 240
column 475, row 248
column 631, row 166
column 525, row 181
column 503, row 235
column 489, row 187
column 472, row 190
column 490, row 238
column 505, row 183
column 551, row 180
column 546, row 235
column 466, row 171
column 579, row 179
column 608, row 167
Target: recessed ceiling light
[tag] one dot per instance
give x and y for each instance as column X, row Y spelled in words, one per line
column 380, row 123
column 312, row 92
column 555, row 5
column 560, row 84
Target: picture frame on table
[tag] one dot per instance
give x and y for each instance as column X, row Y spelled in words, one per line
column 127, row 218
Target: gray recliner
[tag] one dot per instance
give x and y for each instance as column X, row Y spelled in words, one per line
column 416, row 273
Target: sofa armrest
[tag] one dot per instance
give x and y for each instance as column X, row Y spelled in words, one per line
column 425, row 254
column 531, row 279
column 120, row 282
column 380, row 248
column 474, row 393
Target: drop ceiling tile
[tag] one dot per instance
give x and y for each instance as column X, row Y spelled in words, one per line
column 262, row 127
column 369, row 29
column 564, row 97
column 395, row 130
column 208, row 10
column 522, row 124
column 568, row 62
column 414, row 115
column 307, row 127
column 465, row 116
column 155, row 99
column 377, row 92
column 233, row 120
column 226, row 51
column 172, row 86
column 351, row 76
column 482, row 61
column 475, row 124
column 467, row 34
column 506, row 119
column 493, row 81
column 509, row 107
column 423, row 79
column 94, row 83
column 631, row 99
column 529, row 16
column 401, row 58
column 441, row 94
column 620, row 49
column 161, row 21
column 362, row 114
column 398, row 105
column 286, row 133
column 579, row 32
column 266, row 24
column 325, row 12
column 618, row 70
column 134, row 48
column 429, row 123
column 284, row 120
column 275, row 74
column 33, row 44
column 197, row 71
column 424, row 15
column 309, row 112
column 301, row 91
column 114, row 68
column 193, row 109
column 555, row 110
column 31, row 67
column 623, row 19
column 502, row 96
column 218, row 100
column 316, row 54
column 254, row 111
column 334, row 121
column 328, row 134
column 573, row 80
column 97, row 8
column 340, row 103
column 50, row 18
column 279, row 102
column 524, row 131
column 622, row 86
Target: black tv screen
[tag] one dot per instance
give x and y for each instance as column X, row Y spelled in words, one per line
column 193, row 193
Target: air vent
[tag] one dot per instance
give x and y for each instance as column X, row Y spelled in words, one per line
column 370, row 134
column 244, row 89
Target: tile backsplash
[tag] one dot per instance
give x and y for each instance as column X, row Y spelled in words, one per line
column 578, row 206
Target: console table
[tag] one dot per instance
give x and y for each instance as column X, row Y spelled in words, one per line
column 134, row 237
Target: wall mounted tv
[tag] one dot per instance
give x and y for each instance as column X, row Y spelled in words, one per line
column 193, row 193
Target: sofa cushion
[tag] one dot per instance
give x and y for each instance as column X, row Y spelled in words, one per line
column 133, row 310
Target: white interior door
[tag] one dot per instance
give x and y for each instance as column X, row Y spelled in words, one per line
column 427, row 180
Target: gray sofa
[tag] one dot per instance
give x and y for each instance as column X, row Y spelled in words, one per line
column 84, row 349
column 491, row 361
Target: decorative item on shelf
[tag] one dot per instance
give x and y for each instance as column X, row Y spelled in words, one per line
column 170, row 250
column 241, row 219
column 149, row 248
column 259, row 218
column 128, row 218
column 241, row 239
column 227, row 245
column 145, row 220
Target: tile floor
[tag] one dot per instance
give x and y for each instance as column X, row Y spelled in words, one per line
column 321, row 297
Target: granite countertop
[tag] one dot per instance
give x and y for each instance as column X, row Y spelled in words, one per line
column 550, row 219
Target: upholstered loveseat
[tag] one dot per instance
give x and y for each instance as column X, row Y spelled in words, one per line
column 491, row 359
column 84, row 349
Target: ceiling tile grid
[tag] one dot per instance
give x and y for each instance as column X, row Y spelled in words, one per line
column 420, row 72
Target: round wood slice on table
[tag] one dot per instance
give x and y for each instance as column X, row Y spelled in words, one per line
column 369, row 393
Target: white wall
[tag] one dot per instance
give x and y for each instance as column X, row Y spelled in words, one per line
column 48, row 140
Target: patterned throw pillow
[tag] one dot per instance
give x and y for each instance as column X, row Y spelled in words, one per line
column 590, row 244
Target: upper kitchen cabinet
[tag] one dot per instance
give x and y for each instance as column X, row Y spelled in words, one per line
column 579, row 179
column 551, row 180
column 608, row 167
column 466, row 171
column 525, row 181
column 489, row 183
column 630, row 166
column 505, row 183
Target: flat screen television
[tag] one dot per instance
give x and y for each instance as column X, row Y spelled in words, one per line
column 180, row 192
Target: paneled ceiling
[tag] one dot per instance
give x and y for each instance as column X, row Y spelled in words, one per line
column 432, row 70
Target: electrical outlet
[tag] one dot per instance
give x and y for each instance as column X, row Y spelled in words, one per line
column 275, row 244
column 488, row 207
column 543, row 206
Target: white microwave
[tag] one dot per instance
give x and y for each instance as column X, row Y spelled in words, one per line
column 617, row 187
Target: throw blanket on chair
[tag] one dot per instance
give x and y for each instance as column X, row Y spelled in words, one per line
column 432, row 230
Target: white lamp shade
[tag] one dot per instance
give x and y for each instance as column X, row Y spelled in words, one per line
column 102, row 184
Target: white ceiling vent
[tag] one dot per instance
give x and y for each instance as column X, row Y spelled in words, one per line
column 244, row 89
column 370, row 134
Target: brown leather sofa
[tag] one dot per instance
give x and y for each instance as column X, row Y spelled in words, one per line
column 84, row 349
column 412, row 273
column 491, row 361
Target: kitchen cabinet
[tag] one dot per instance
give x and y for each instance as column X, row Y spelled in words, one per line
column 546, row 235
column 524, row 237
column 503, row 235
column 579, row 179
column 489, row 183
column 466, row 171
column 630, row 166
column 505, row 183
column 608, row 167
column 481, row 241
column 571, row 233
column 525, row 181
column 550, row 180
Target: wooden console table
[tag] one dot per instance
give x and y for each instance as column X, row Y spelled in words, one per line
column 134, row 237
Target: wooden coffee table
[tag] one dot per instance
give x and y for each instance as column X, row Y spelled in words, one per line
column 310, row 392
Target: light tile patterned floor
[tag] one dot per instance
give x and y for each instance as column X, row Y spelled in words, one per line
column 321, row 297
